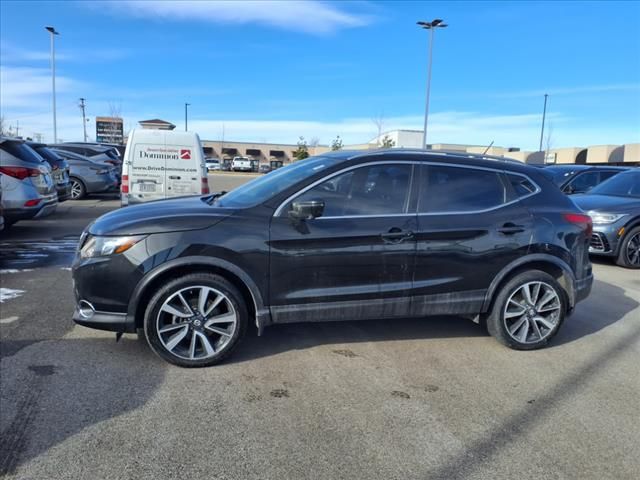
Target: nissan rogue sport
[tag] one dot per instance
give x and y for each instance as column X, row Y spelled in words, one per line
column 343, row 236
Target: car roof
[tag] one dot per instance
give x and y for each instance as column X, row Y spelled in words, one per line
column 441, row 156
column 570, row 166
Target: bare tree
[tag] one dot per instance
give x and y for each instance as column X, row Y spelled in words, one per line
column 548, row 141
column 378, row 121
column 115, row 110
column 2, row 125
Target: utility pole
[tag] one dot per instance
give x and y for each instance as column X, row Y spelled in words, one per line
column 17, row 128
column 185, row 116
column 84, row 119
column 431, row 26
column 544, row 114
column 53, row 33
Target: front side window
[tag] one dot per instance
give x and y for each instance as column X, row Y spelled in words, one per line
column 445, row 189
column 370, row 190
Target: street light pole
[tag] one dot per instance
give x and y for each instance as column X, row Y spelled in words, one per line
column 53, row 33
column 185, row 116
column 431, row 26
column 544, row 114
column 84, row 119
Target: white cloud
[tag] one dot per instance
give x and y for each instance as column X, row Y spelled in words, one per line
column 13, row 54
column 307, row 16
column 30, row 87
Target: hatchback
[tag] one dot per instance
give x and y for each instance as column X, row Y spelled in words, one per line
column 28, row 190
column 344, row 236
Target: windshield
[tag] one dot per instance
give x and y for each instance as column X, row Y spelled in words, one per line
column 265, row 187
column 625, row 184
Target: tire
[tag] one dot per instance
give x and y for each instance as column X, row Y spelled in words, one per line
column 541, row 318
column 78, row 190
column 180, row 335
column 629, row 255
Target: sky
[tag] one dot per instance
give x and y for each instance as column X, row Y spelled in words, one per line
column 269, row 71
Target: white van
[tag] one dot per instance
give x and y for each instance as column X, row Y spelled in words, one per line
column 162, row 164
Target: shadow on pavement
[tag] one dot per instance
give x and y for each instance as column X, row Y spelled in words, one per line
column 595, row 314
column 55, row 389
column 298, row 336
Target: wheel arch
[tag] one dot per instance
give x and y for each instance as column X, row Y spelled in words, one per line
column 554, row 266
column 182, row 266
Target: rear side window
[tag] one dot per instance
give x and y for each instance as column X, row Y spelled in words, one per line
column 522, row 186
column 446, row 189
column 21, row 151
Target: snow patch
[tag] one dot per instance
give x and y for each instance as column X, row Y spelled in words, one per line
column 9, row 294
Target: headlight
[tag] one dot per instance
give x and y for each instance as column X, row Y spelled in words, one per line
column 605, row 218
column 103, row 246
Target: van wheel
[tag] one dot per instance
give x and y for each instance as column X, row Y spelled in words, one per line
column 528, row 311
column 78, row 190
column 196, row 320
column 629, row 255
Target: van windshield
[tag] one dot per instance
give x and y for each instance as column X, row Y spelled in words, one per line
column 265, row 187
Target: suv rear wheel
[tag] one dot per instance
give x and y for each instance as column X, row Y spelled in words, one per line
column 196, row 320
column 528, row 311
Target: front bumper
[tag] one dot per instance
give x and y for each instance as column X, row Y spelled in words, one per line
column 605, row 240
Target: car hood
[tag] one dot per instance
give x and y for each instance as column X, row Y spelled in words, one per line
column 175, row 215
column 607, row 203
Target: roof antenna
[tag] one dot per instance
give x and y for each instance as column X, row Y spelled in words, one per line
column 487, row 149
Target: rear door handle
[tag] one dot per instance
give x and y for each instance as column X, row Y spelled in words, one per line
column 511, row 229
column 396, row 235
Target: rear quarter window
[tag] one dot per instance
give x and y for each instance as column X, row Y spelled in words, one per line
column 445, row 189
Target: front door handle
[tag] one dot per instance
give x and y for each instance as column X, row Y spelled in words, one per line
column 511, row 229
column 396, row 235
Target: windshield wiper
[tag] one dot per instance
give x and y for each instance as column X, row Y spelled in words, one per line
column 209, row 199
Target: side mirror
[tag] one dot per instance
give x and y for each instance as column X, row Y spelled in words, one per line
column 306, row 210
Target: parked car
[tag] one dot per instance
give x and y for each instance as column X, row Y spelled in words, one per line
column 162, row 164
column 241, row 164
column 97, row 153
column 1, row 208
column 225, row 166
column 59, row 170
column 264, row 168
column 573, row 179
column 28, row 191
column 614, row 207
column 213, row 164
column 344, row 236
column 87, row 176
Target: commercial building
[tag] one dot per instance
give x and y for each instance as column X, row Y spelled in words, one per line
column 109, row 130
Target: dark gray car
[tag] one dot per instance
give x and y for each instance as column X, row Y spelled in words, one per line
column 614, row 207
column 87, row 176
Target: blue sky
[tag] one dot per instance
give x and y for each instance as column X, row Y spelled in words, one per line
column 272, row 71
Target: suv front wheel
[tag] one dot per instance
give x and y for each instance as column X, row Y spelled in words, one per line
column 196, row 320
column 528, row 311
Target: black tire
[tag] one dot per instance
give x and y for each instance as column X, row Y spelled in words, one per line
column 497, row 323
column 187, row 284
column 628, row 247
column 78, row 190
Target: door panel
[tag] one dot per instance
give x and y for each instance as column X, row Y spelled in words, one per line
column 458, row 253
column 355, row 261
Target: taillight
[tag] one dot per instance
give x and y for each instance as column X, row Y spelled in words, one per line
column 581, row 220
column 33, row 202
column 20, row 172
column 205, row 186
column 111, row 162
column 124, row 186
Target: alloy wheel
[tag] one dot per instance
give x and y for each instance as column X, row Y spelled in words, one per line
column 76, row 189
column 532, row 312
column 633, row 250
column 196, row 322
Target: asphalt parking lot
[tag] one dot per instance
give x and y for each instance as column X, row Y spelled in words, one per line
column 428, row 399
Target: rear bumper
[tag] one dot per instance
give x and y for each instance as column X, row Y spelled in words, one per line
column 27, row 213
column 110, row 321
column 64, row 192
column 583, row 288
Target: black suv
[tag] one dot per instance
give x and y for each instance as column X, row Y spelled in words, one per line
column 344, row 236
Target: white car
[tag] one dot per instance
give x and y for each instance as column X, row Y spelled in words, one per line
column 213, row 164
column 241, row 164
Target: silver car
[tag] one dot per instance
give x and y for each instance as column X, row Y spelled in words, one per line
column 87, row 176
column 28, row 190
